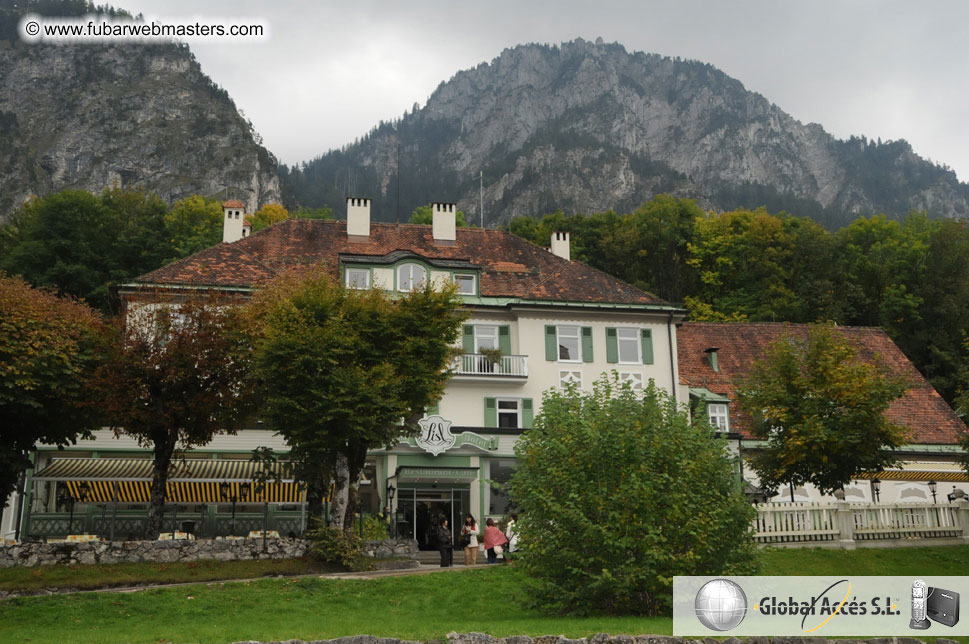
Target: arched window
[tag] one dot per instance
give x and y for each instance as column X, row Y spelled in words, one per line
column 410, row 276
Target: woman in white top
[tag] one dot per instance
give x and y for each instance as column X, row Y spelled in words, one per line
column 470, row 530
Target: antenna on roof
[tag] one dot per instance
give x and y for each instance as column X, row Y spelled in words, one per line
column 481, row 196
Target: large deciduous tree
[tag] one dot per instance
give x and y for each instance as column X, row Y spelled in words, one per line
column 343, row 370
column 49, row 347
column 174, row 378
column 820, row 409
column 619, row 491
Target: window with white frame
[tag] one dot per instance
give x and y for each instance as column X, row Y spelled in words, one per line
column 509, row 413
column 627, row 341
column 485, row 337
column 634, row 380
column 717, row 413
column 570, row 377
column 358, row 278
column 466, row 285
column 410, row 276
column 569, row 343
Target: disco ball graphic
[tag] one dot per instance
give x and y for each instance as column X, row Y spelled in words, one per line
column 721, row 605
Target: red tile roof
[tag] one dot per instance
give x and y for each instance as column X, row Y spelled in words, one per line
column 234, row 203
column 921, row 408
column 510, row 266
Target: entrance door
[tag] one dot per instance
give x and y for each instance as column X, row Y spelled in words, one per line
column 420, row 512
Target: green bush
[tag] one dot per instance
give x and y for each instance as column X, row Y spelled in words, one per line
column 375, row 528
column 618, row 492
column 333, row 545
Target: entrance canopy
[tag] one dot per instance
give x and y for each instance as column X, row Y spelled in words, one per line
column 953, row 476
column 418, row 474
column 189, row 481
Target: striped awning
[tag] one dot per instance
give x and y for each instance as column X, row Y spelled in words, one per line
column 953, row 476
column 189, row 480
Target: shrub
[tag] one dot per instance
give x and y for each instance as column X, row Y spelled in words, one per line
column 375, row 528
column 333, row 545
column 618, row 492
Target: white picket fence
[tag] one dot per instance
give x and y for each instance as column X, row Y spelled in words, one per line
column 844, row 524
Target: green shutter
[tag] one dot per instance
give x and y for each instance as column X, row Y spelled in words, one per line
column 647, row 346
column 551, row 343
column 504, row 339
column 467, row 341
column 491, row 412
column 612, row 346
column 587, row 344
column 528, row 413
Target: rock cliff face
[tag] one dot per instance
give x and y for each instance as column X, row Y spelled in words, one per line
column 92, row 117
column 586, row 127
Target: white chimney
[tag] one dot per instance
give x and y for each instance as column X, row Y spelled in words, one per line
column 560, row 245
column 358, row 219
column 233, row 218
column 444, row 223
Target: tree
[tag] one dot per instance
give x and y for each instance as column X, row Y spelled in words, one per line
column 423, row 215
column 174, row 378
column 193, row 224
column 271, row 213
column 49, row 347
column 619, row 491
column 821, row 410
column 340, row 368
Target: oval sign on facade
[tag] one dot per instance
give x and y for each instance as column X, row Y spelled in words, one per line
column 435, row 436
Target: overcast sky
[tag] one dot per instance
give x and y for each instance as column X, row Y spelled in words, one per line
column 329, row 71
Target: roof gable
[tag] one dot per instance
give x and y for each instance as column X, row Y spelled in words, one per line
column 740, row 345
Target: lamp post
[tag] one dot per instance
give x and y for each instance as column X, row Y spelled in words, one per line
column 391, row 491
column 876, row 488
column 932, row 486
column 225, row 492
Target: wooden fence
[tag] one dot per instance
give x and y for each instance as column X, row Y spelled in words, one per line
column 848, row 525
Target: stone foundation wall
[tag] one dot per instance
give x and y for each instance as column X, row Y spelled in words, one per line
column 602, row 638
column 108, row 552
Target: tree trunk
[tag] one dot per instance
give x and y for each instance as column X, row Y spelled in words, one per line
column 341, row 490
column 159, row 489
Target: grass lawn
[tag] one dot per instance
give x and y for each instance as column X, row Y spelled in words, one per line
column 412, row 607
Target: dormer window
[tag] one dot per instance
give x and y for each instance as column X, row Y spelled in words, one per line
column 410, row 276
column 466, row 285
column 358, row 278
column 719, row 416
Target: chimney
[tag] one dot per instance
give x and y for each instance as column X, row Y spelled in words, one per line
column 444, row 223
column 358, row 219
column 560, row 245
column 246, row 227
column 233, row 217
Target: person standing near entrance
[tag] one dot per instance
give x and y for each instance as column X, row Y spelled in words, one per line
column 511, row 532
column 493, row 539
column 444, row 543
column 469, row 531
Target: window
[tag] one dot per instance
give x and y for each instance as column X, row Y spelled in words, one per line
column 409, row 277
column 358, row 278
column 465, row 284
column 509, row 413
column 635, row 380
column 570, row 377
column 501, row 471
column 568, row 343
column 628, row 343
column 718, row 416
column 485, row 337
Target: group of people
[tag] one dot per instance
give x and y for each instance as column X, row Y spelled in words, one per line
column 494, row 541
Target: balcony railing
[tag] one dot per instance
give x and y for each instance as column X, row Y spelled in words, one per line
column 476, row 364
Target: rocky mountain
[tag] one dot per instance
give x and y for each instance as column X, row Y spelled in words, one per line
column 586, row 127
column 96, row 116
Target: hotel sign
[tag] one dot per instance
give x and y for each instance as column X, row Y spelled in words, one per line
column 436, row 437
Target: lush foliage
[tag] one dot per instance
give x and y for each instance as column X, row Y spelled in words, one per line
column 193, row 224
column 174, row 377
column 910, row 277
column 339, row 368
column 332, row 544
column 271, row 213
column 619, row 492
column 821, row 411
column 49, row 347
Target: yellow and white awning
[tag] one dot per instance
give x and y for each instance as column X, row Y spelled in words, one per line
column 189, row 480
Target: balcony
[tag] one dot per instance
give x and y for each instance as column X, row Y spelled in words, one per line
column 475, row 366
